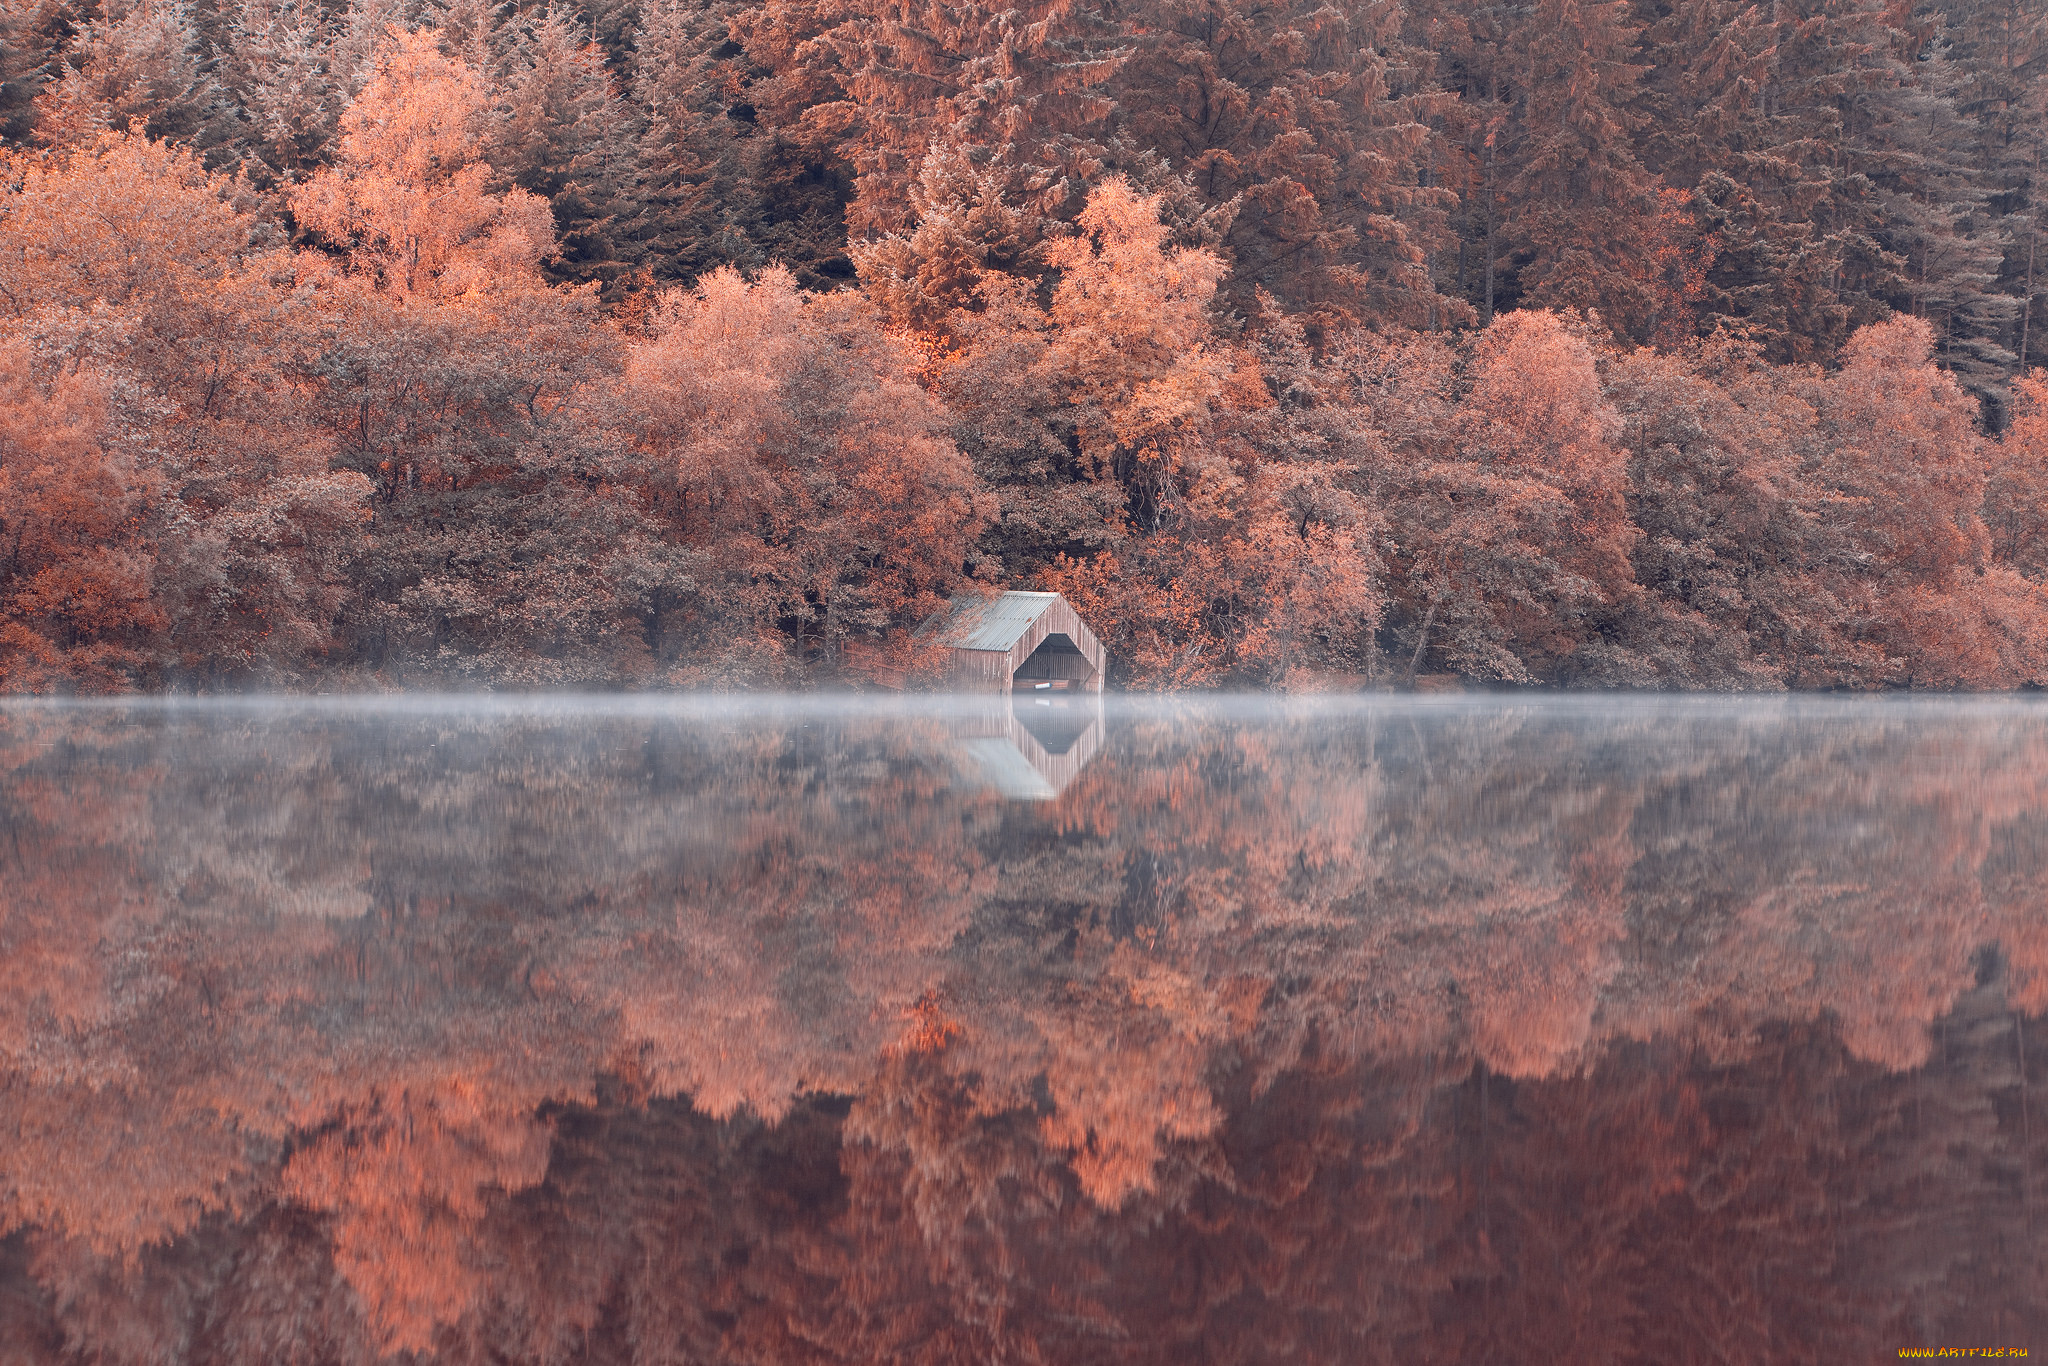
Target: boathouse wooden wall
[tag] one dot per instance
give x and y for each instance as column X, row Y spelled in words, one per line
column 995, row 670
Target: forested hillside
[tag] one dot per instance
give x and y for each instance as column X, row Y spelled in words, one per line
column 716, row 343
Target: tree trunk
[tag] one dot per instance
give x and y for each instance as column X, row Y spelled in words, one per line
column 1421, row 641
column 2027, row 310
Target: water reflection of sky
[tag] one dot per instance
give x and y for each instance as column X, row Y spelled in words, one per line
column 1608, row 1029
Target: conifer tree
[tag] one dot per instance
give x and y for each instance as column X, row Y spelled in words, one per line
column 752, row 104
column 1311, row 121
column 30, row 36
column 139, row 60
column 1019, row 90
column 965, row 231
column 1581, row 198
column 474, row 31
column 285, row 97
column 696, row 198
column 365, row 30
column 1999, row 52
column 1934, row 198
column 1565, row 205
column 564, row 135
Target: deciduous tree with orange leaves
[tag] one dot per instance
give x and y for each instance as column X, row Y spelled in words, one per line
column 140, row 297
column 811, row 499
column 409, row 196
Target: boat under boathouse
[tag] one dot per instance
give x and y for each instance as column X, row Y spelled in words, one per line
column 1019, row 642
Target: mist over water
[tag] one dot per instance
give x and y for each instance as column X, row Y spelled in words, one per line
column 1460, row 1029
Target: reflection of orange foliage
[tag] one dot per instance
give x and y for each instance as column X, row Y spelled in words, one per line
column 930, row 1029
column 1125, row 1073
column 405, row 1178
column 1054, row 1024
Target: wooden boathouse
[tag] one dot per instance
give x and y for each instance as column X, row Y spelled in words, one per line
column 1019, row 642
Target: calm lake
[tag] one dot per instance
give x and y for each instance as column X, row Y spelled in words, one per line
column 1458, row 1029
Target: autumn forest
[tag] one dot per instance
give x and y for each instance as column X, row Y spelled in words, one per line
column 718, row 343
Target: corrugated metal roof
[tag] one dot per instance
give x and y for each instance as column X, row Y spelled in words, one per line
column 994, row 624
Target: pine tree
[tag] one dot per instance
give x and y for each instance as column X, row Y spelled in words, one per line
column 1934, row 198
column 1020, row 90
column 965, row 232
column 564, row 135
column 694, row 198
column 277, row 76
column 1310, row 121
column 1564, row 206
column 1999, row 51
column 1580, row 198
column 473, row 31
column 746, row 127
column 366, row 28
column 30, row 36
column 139, row 60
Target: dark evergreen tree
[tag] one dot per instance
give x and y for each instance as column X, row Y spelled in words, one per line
column 31, row 34
column 563, row 134
column 285, row 96
column 138, row 61
column 1020, row 90
column 696, row 198
column 1310, row 121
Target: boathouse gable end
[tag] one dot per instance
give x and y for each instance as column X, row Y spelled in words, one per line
column 994, row 638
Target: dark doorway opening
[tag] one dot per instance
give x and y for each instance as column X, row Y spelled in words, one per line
column 1057, row 665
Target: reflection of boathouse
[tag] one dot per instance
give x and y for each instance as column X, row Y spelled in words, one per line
column 1023, row 642
column 1032, row 747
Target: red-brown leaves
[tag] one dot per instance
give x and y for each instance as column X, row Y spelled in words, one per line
column 409, row 197
column 815, row 497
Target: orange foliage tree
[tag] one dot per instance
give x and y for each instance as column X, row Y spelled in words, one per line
column 1228, row 546
column 1505, row 486
column 2016, row 485
column 400, row 453
column 143, row 322
column 409, row 195
column 1896, row 449
column 812, row 500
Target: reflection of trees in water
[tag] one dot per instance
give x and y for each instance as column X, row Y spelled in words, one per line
column 1461, row 1035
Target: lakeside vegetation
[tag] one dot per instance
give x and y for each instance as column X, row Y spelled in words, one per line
column 692, row 346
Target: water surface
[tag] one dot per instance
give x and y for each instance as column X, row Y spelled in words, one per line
column 1436, row 1030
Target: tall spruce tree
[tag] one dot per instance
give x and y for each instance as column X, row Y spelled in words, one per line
column 564, row 135
column 1566, row 209
column 695, row 197
column 1018, row 89
column 31, row 33
column 2000, row 51
column 1935, row 197
column 283, row 95
column 1310, row 120
column 138, row 61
